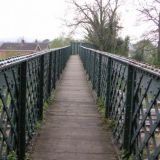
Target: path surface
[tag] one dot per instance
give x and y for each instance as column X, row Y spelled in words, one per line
column 73, row 129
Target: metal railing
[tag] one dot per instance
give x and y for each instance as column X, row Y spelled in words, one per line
column 26, row 82
column 131, row 94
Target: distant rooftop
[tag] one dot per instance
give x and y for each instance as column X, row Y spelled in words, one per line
column 44, row 45
column 24, row 46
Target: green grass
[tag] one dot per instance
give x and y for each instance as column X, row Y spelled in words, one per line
column 100, row 106
column 107, row 122
column 38, row 125
column 49, row 101
column 125, row 155
column 12, row 156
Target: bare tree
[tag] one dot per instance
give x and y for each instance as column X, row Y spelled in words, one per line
column 100, row 21
column 151, row 13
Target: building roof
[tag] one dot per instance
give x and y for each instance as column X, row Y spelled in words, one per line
column 43, row 46
column 19, row 46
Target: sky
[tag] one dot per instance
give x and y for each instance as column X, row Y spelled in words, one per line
column 44, row 19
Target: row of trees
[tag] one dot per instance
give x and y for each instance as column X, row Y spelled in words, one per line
column 101, row 24
column 148, row 49
column 100, row 21
column 61, row 41
column 144, row 51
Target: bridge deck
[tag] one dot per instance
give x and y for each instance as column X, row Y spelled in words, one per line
column 73, row 129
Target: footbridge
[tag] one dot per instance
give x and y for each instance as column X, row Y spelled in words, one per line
column 75, row 77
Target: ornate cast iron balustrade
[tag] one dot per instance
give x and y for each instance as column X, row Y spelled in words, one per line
column 131, row 93
column 26, row 82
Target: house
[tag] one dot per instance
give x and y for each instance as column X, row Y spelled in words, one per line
column 22, row 48
column 44, row 46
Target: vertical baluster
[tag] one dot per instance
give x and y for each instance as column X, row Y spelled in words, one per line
column 58, row 64
column 89, row 64
column 50, row 74
column 61, row 60
column 94, row 75
column 108, row 91
column 129, row 109
column 99, row 76
column 22, row 112
column 54, row 72
column 41, row 85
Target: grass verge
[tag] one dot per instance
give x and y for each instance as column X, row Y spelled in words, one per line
column 107, row 122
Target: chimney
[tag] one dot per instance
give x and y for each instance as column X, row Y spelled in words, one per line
column 36, row 41
column 22, row 41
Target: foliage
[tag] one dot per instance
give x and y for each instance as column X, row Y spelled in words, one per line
column 125, row 155
column 60, row 42
column 108, row 123
column 122, row 46
column 45, row 106
column 100, row 106
column 12, row 156
column 144, row 51
column 100, row 20
column 156, row 62
column 38, row 125
column 151, row 14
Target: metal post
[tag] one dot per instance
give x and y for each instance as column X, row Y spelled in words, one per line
column 54, row 72
column 108, row 91
column 61, row 61
column 41, row 85
column 94, row 62
column 50, row 74
column 71, row 47
column 22, row 112
column 58, row 64
column 99, row 75
column 89, row 66
column 129, row 109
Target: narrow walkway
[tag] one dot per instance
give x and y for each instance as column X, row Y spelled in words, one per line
column 73, row 129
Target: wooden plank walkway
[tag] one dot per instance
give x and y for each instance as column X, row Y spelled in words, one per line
column 73, row 128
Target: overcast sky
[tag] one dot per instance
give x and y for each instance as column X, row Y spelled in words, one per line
column 43, row 19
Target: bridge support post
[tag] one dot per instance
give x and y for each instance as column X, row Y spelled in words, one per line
column 107, row 103
column 50, row 74
column 86, row 61
column 89, row 66
column 99, row 76
column 58, row 64
column 41, row 85
column 54, row 67
column 22, row 112
column 94, row 62
column 129, row 109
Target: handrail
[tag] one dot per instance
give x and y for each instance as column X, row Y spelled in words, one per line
column 18, row 59
column 143, row 66
column 26, row 82
column 130, row 91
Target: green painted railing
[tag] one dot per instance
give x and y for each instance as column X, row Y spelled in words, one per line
column 75, row 46
column 131, row 94
column 26, row 82
column 130, row 90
